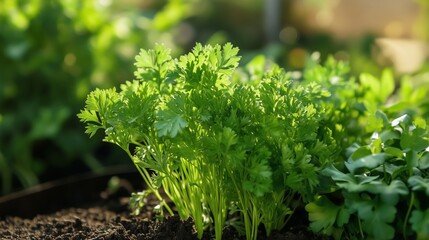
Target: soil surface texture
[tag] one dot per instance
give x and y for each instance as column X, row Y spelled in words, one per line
column 110, row 218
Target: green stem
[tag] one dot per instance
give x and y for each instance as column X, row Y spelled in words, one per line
column 190, row 178
column 146, row 178
column 217, row 202
column 404, row 227
column 360, row 229
column 255, row 221
column 174, row 193
column 245, row 208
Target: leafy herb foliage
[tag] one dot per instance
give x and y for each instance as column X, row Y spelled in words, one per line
column 255, row 142
column 378, row 185
column 223, row 140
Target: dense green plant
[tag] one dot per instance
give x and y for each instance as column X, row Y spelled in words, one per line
column 52, row 54
column 222, row 140
column 381, row 188
column 370, row 202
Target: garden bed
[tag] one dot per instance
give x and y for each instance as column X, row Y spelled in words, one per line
column 98, row 214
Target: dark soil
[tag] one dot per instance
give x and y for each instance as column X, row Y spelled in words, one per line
column 109, row 218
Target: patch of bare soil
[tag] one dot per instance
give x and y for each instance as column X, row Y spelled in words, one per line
column 110, row 218
column 102, row 222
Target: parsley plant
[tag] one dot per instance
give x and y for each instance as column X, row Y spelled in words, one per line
column 222, row 140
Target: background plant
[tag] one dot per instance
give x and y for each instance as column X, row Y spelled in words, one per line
column 370, row 197
column 53, row 53
column 381, row 187
column 59, row 46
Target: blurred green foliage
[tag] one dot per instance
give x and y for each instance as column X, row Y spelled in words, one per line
column 53, row 52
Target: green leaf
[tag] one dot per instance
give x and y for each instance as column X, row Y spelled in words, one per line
column 387, row 83
column 343, row 217
column 350, row 183
column 228, row 138
column 169, row 123
column 376, row 216
column 396, row 152
column 170, row 120
column 323, row 215
column 259, row 181
column 229, row 59
column 154, row 64
column 419, row 183
column 138, row 200
column 88, row 116
column 414, row 140
column 424, row 161
column 256, row 67
column 337, row 175
column 372, row 85
column 360, row 153
column 377, row 225
column 419, row 221
column 389, row 193
column 368, row 162
column 99, row 108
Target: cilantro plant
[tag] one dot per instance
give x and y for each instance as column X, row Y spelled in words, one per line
column 224, row 141
column 381, row 190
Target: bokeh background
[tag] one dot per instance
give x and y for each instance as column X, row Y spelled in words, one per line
column 54, row 52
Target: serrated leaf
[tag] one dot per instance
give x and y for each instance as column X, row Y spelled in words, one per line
column 169, row 123
column 88, row 116
column 259, row 181
column 323, row 215
column 92, row 129
column 154, row 64
column 229, row 58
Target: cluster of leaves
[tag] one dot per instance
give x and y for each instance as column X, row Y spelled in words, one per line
column 378, row 192
column 255, row 142
column 53, row 53
column 381, row 188
column 223, row 141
